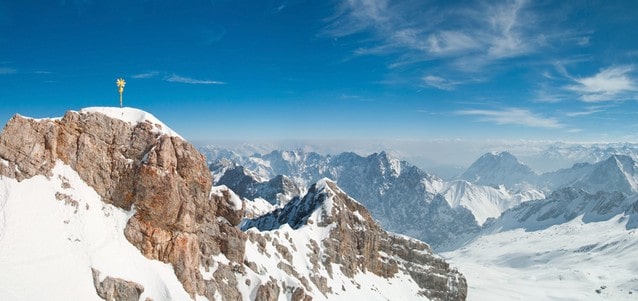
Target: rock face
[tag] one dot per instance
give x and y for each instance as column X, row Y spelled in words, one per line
column 179, row 219
column 399, row 195
column 163, row 177
column 353, row 231
column 277, row 190
column 116, row 289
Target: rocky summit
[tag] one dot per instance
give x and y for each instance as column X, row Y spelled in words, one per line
column 135, row 217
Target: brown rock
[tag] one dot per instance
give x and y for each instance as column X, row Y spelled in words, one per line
column 116, row 289
column 165, row 178
column 300, row 295
column 268, row 291
column 177, row 220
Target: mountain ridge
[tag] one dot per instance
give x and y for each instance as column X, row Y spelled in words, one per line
column 397, row 193
column 160, row 189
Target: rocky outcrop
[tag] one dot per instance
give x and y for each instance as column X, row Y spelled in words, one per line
column 116, row 289
column 399, row 195
column 357, row 243
column 278, row 190
column 179, row 219
column 163, row 177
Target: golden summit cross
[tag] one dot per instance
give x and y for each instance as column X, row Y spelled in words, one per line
column 120, row 85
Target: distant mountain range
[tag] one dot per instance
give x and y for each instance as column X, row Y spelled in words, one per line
column 398, row 194
column 514, row 232
column 615, row 173
column 563, row 155
column 110, row 203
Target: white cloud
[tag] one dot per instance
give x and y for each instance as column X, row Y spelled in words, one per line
column 548, row 95
column 582, row 113
column 439, row 82
column 150, row 74
column 513, row 116
column 612, row 84
column 506, row 38
column 481, row 33
column 187, row 80
column 583, row 41
column 446, row 43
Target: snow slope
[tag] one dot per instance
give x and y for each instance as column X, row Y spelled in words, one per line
column 133, row 117
column 564, row 247
column 49, row 243
column 306, row 226
column 568, row 261
column 55, row 229
column 485, row 201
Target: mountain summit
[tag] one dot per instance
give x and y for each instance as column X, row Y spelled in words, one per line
column 110, row 203
column 498, row 168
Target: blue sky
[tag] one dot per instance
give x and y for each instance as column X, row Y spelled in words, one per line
column 535, row 70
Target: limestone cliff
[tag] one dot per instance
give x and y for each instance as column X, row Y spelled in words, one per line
column 179, row 219
column 163, row 177
column 357, row 244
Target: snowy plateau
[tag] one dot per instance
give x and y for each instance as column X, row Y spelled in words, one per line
column 516, row 234
column 110, row 203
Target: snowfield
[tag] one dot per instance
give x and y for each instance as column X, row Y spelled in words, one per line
column 133, row 117
column 568, row 261
column 49, row 256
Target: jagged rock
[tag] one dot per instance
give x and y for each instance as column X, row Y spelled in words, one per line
column 399, row 195
column 279, row 189
column 268, row 291
column 299, row 295
column 164, row 177
column 358, row 244
column 116, row 289
column 180, row 220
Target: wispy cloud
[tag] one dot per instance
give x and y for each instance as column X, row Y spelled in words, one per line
column 187, row 80
column 174, row 78
column 583, row 41
column 612, row 84
column 439, row 82
column 4, row 70
column 467, row 38
column 513, row 116
column 588, row 111
column 582, row 113
column 550, row 95
column 149, row 74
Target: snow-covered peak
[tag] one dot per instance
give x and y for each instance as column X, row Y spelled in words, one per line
column 485, row 201
column 132, row 116
column 318, row 203
column 497, row 168
column 617, row 173
column 389, row 162
column 322, row 184
column 504, row 157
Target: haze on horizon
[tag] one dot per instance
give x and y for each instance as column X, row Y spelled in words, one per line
column 376, row 72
